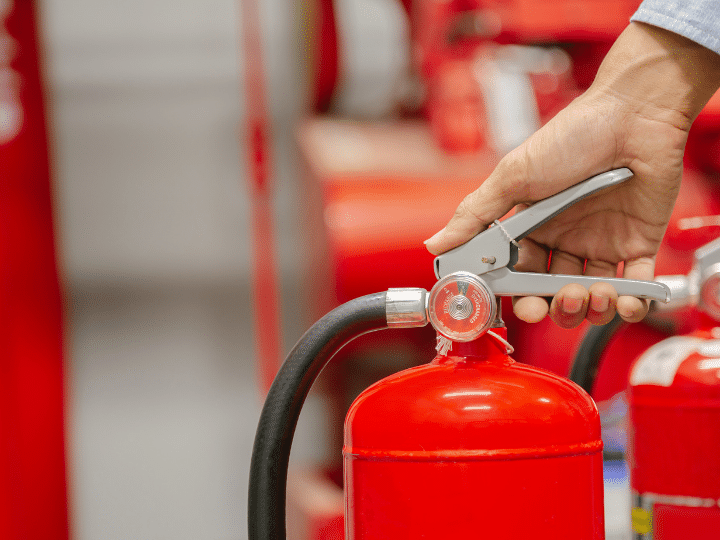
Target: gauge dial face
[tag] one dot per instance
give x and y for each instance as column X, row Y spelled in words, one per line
column 461, row 306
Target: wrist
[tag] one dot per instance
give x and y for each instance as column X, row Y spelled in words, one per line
column 660, row 75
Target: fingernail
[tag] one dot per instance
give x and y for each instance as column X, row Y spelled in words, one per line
column 435, row 236
column 571, row 305
column 599, row 303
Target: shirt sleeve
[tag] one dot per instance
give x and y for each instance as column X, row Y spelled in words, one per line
column 698, row 20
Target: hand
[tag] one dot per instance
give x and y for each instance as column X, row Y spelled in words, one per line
column 637, row 114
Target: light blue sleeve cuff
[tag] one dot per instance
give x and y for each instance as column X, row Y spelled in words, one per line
column 698, row 20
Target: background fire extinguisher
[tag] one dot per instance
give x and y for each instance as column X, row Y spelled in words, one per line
column 33, row 501
column 674, row 411
column 674, row 404
column 469, row 441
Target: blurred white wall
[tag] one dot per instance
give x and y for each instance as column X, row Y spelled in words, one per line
column 153, row 225
column 153, row 233
column 147, row 101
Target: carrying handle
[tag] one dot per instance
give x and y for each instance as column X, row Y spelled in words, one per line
column 492, row 253
column 506, row 282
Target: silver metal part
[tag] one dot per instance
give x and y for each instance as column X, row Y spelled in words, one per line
column 684, row 291
column 406, row 308
column 506, row 282
column 498, row 322
column 461, row 307
column 497, row 241
column 701, row 287
column 707, row 255
column 493, row 253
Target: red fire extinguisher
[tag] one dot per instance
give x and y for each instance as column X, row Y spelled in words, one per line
column 674, row 406
column 33, row 492
column 472, row 444
column 674, row 410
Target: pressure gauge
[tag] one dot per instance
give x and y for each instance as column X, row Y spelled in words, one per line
column 461, row 306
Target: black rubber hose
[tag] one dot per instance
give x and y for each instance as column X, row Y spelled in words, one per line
column 279, row 417
column 585, row 365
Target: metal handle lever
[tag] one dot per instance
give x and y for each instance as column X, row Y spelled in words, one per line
column 492, row 248
column 525, row 222
column 505, row 282
column 492, row 253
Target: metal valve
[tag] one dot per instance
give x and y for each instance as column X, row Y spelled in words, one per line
column 461, row 306
column 493, row 253
column 701, row 287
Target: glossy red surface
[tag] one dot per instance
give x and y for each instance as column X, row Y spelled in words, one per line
column 676, row 434
column 674, row 444
column 466, row 445
column 33, row 504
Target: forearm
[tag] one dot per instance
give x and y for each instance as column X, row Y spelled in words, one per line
column 658, row 74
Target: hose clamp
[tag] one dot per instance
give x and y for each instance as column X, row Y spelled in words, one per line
column 406, row 307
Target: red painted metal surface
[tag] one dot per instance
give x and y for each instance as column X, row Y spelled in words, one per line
column 256, row 146
column 473, row 445
column 674, row 439
column 33, row 501
column 455, row 108
column 436, row 25
column 322, row 44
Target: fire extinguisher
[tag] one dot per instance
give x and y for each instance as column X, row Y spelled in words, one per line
column 674, row 412
column 33, row 486
column 472, row 444
column 674, row 406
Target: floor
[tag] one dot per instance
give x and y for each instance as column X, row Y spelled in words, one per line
column 163, row 407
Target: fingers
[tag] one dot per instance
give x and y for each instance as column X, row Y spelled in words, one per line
column 532, row 257
column 573, row 303
column 603, row 303
column 633, row 309
column 569, row 306
column 493, row 199
column 603, row 296
column 531, row 309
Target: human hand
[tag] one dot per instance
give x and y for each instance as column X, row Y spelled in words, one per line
column 637, row 114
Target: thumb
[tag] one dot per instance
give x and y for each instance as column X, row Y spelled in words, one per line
column 502, row 190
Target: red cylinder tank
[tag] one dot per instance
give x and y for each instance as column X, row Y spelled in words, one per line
column 473, row 444
column 33, row 491
column 674, row 438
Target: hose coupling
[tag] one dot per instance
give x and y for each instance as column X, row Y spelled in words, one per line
column 406, row 307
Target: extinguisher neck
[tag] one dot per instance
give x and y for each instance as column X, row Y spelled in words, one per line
column 492, row 344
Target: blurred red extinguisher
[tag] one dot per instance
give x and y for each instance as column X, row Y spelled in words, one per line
column 674, row 410
column 33, row 501
column 674, row 405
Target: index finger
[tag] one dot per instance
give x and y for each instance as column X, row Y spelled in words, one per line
column 503, row 189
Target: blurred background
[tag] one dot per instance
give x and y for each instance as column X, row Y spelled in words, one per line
column 145, row 108
column 375, row 118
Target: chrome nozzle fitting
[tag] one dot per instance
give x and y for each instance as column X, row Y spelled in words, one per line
column 406, row 307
